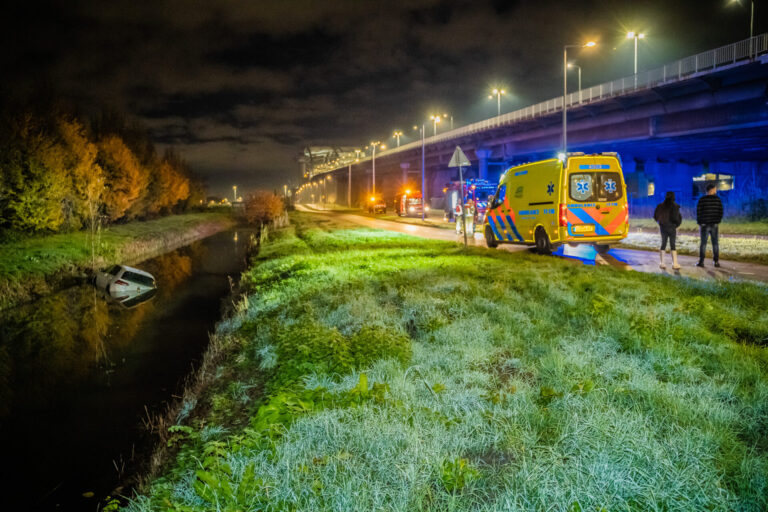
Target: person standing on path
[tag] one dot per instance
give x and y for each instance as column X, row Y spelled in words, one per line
column 668, row 216
column 709, row 213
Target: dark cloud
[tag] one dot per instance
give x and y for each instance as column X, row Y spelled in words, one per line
column 241, row 86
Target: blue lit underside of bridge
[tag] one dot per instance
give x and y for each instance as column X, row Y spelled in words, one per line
column 714, row 121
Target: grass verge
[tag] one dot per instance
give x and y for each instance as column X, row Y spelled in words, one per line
column 36, row 265
column 751, row 250
column 368, row 370
column 727, row 227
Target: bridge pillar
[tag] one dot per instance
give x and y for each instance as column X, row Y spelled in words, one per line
column 405, row 166
column 482, row 157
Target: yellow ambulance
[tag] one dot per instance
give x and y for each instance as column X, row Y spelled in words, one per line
column 578, row 199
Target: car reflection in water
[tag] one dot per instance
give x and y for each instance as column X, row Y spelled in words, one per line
column 131, row 300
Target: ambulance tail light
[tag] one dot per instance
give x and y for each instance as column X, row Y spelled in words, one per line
column 563, row 217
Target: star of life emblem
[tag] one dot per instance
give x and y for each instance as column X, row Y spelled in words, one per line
column 610, row 186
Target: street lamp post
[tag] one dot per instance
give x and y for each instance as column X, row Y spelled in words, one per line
column 435, row 119
column 572, row 65
column 565, row 89
column 397, row 136
column 751, row 22
column 497, row 93
column 635, row 36
column 423, row 178
column 234, row 193
column 751, row 26
column 349, row 186
column 373, row 163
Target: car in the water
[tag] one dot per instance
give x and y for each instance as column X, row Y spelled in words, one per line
column 122, row 282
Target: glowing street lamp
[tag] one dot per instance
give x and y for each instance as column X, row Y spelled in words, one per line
column 497, row 93
column 397, row 136
column 435, row 119
column 234, row 193
column 589, row 44
column 635, row 36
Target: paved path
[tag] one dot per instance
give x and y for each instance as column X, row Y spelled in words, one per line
column 627, row 259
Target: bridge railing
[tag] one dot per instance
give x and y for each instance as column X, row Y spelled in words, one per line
column 705, row 62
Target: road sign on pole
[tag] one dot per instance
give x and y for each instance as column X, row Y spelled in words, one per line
column 459, row 159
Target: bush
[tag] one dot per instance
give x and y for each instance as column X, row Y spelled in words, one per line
column 263, row 207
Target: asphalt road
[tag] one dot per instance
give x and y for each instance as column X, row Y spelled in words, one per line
column 626, row 259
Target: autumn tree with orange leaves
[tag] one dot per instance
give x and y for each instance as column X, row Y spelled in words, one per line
column 60, row 173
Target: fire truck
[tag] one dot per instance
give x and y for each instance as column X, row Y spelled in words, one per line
column 475, row 189
column 409, row 203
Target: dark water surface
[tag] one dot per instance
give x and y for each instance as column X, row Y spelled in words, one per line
column 78, row 373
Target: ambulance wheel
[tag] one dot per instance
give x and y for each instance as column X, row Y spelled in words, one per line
column 543, row 246
column 602, row 248
column 490, row 240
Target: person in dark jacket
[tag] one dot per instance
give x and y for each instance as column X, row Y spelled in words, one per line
column 668, row 216
column 709, row 213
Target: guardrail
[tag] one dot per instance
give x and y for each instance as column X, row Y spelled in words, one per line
column 702, row 63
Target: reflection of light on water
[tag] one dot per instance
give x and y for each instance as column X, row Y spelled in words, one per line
column 235, row 237
column 583, row 252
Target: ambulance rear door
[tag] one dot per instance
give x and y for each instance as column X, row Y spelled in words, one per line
column 595, row 196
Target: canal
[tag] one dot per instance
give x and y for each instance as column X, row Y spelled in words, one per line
column 79, row 374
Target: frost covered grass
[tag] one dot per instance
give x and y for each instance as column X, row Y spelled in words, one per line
column 369, row 370
column 729, row 226
column 731, row 248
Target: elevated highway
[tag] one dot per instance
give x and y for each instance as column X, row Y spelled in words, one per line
column 697, row 120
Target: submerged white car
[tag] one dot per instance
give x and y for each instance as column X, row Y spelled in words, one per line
column 122, row 282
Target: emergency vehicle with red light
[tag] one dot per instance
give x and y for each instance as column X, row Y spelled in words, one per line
column 476, row 190
column 409, row 203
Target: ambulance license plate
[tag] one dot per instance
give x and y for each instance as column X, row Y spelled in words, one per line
column 583, row 228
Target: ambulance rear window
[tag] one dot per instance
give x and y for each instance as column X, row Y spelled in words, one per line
column 608, row 186
column 595, row 186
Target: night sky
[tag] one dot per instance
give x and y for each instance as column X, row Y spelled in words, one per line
column 240, row 87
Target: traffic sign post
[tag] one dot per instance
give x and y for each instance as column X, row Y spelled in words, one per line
column 459, row 159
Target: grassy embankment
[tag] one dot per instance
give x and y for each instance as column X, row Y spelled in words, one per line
column 367, row 370
column 37, row 265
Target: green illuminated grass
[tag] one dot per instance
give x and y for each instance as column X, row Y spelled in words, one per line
column 368, row 370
